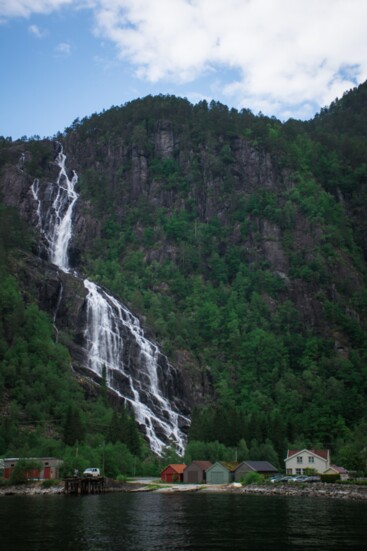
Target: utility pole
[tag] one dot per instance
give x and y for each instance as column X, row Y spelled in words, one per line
column 103, row 457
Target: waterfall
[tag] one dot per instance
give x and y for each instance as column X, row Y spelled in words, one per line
column 112, row 335
column 107, row 320
column 55, row 223
column 63, row 205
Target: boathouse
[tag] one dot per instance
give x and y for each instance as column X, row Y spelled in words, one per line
column 195, row 473
column 261, row 467
column 173, row 472
column 221, row 473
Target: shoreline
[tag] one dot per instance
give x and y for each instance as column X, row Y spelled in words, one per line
column 322, row 490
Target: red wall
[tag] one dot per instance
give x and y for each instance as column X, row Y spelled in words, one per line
column 170, row 475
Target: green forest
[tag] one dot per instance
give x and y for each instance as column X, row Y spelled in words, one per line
column 241, row 243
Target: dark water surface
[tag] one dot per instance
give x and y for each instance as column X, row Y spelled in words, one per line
column 148, row 521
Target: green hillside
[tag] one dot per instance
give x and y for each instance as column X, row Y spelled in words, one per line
column 240, row 242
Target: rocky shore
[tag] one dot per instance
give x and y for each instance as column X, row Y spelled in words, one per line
column 335, row 491
column 332, row 491
column 31, row 489
column 38, row 489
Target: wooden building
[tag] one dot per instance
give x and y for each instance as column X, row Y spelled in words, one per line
column 195, row 473
column 261, row 467
column 47, row 467
column 298, row 461
column 221, row 473
column 173, row 472
column 334, row 469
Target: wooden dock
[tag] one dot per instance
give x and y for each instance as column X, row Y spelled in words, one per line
column 84, row 485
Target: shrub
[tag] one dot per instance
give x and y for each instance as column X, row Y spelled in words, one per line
column 21, row 471
column 49, row 483
column 252, row 478
column 331, row 478
column 121, row 478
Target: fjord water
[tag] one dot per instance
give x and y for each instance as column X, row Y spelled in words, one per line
column 175, row 522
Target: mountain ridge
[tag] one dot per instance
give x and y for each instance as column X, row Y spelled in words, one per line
column 239, row 241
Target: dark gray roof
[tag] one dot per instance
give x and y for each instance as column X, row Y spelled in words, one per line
column 263, row 466
column 201, row 464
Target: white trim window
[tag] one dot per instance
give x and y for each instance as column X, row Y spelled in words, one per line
column 311, row 459
column 300, row 459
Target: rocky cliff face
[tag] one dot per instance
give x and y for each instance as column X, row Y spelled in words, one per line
column 251, row 170
column 216, row 189
column 62, row 296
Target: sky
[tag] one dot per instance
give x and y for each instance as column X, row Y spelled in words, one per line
column 66, row 59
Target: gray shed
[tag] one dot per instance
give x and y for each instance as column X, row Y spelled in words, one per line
column 195, row 472
column 262, row 467
column 221, row 473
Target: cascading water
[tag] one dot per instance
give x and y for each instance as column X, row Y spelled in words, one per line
column 56, row 223
column 112, row 334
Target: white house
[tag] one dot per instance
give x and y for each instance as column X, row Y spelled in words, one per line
column 298, row 460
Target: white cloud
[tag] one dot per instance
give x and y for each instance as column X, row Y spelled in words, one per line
column 24, row 8
column 63, row 49
column 284, row 56
column 288, row 53
column 36, row 31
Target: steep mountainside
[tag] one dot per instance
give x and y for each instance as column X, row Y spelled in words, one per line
column 240, row 243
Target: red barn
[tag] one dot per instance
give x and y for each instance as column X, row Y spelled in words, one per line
column 173, row 473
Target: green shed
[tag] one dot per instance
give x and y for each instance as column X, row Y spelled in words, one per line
column 221, row 473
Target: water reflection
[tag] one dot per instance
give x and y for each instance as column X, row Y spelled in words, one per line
column 178, row 522
column 340, row 525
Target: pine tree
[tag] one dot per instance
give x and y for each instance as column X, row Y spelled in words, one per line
column 124, row 426
column 133, row 442
column 73, row 429
column 114, row 429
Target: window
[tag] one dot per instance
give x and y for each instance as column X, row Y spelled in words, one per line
column 298, row 471
column 300, row 459
column 311, row 459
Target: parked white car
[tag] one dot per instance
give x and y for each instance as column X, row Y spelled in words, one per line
column 92, row 471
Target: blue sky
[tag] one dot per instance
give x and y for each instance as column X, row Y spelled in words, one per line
column 63, row 59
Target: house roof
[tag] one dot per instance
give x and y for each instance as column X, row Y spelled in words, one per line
column 202, row 464
column 230, row 466
column 324, row 454
column 177, row 467
column 339, row 470
column 53, row 460
column 30, row 458
column 263, row 466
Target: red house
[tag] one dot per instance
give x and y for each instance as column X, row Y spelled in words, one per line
column 173, row 473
